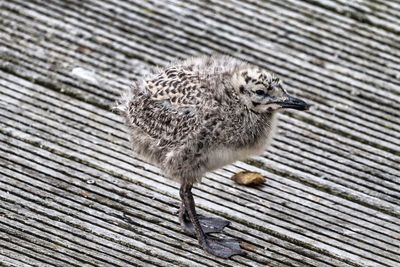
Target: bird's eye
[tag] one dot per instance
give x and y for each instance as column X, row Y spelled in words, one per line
column 260, row 92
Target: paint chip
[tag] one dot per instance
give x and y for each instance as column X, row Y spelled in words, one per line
column 248, row 178
column 85, row 74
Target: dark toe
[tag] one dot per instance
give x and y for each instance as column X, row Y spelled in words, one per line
column 213, row 225
column 208, row 224
column 223, row 248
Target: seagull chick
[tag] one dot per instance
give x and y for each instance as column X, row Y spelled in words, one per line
column 198, row 115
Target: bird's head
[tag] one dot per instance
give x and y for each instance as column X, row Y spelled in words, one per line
column 262, row 91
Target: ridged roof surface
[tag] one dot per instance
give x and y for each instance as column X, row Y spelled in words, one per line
column 71, row 194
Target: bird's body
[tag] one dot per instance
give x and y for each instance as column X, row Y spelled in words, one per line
column 187, row 119
column 198, row 115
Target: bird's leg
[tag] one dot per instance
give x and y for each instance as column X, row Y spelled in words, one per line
column 186, row 225
column 223, row 248
column 208, row 224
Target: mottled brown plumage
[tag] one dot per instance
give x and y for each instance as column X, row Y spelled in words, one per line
column 198, row 115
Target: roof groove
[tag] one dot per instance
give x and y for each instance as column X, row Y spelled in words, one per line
column 310, row 163
column 11, row 250
column 280, row 139
column 32, row 117
column 76, row 240
column 101, row 214
column 32, row 202
column 53, row 119
column 395, row 126
column 116, row 248
column 341, row 139
column 329, row 144
column 33, row 242
column 364, row 138
column 363, row 17
column 50, row 138
column 309, row 45
column 28, row 250
column 269, row 220
column 181, row 55
column 131, row 198
column 328, row 15
column 74, row 193
column 284, row 118
column 8, row 261
column 243, row 41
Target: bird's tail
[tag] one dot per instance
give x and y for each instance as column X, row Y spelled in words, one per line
column 122, row 104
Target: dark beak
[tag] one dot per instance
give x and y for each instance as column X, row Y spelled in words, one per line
column 295, row 103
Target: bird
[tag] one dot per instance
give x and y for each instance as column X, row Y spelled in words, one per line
column 199, row 114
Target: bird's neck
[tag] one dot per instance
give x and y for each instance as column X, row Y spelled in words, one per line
column 254, row 129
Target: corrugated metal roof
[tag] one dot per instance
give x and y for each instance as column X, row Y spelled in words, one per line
column 72, row 194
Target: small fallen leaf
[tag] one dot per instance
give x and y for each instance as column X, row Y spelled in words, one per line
column 248, row 246
column 248, row 178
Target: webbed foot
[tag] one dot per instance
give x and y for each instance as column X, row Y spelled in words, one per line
column 208, row 224
column 223, row 248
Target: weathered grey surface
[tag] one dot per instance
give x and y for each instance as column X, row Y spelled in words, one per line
column 72, row 194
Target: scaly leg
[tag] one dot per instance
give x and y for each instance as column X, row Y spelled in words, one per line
column 223, row 248
column 208, row 224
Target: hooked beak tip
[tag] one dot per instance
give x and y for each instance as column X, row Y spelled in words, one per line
column 295, row 103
